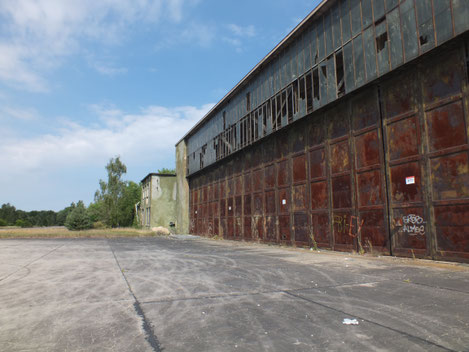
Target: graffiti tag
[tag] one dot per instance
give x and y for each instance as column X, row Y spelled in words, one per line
column 352, row 225
column 412, row 224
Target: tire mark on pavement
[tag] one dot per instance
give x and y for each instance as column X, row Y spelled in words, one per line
column 146, row 325
column 31, row 262
column 370, row 321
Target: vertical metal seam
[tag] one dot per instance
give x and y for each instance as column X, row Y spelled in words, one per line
column 387, row 185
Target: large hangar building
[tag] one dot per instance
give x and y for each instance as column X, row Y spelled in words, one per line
column 351, row 134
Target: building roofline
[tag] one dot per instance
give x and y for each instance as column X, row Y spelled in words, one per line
column 157, row 174
column 282, row 43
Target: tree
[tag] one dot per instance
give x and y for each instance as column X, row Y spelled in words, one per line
column 111, row 192
column 131, row 195
column 62, row 215
column 3, row 223
column 166, row 171
column 78, row 218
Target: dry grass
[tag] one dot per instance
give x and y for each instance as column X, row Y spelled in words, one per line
column 62, row 232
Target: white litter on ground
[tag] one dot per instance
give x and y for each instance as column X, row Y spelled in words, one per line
column 350, row 321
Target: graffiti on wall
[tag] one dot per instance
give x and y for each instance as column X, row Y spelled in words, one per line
column 350, row 225
column 411, row 224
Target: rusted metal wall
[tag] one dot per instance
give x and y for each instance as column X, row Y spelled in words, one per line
column 385, row 170
column 345, row 45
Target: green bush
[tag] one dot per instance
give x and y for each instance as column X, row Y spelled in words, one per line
column 99, row 225
column 78, row 219
column 3, row 223
column 23, row 223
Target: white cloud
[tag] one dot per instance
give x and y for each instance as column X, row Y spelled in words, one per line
column 137, row 137
column 36, row 35
column 240, row 31
column 26, row 114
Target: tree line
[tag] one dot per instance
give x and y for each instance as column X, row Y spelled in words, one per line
column 113, row 206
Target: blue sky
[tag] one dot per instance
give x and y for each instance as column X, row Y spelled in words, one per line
column 84, row 81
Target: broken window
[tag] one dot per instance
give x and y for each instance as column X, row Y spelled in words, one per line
column 295, row 97
column 274, row 114
column 264, row 119
column 248, row 102
column 382, row 47
column 323, row 82
column 224, row 120
column 309, row 93
column 278, row 117
column 302, row 88
column 339, row 69
column 284, row 103
column 290, row 103
column 268, row 117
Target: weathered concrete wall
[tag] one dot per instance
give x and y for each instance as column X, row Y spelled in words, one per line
column 182, row 203
column 163, row 200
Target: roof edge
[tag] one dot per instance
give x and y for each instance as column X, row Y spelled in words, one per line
column 254, row 69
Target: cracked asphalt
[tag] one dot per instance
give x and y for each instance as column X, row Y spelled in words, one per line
column 189, row 294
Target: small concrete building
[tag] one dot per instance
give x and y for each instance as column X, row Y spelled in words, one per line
column 158, row 203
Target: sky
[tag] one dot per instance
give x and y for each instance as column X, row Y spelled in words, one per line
column 84, row 81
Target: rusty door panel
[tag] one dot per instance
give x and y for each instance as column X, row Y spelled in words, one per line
column 270, row 229
column 371, row 228
column 223, row 228
column 444, row 78
column 238, row 185
column 317, row 163
column 410, row 228
column 341, row 192
column 404, row 139
column 216, row 191
column 210, row 228
column 222, row 208
column 284, row 228
column 257, row 227
column 450, row 176
column 258, row 203
column 269, row 181
column 340, row 155
column 452, row 231
column 238, row 206
column 222, row 189
column 270, row 202
column 283, row 200
column 230, row 227
column 370, row 188
column 230, row 187
column 247, row 183
column 216, row 230
column 367, row 149
column 343, row 238
column 238, row 228
column 401, row 191
column 283, row 173
column 247, row 227
column 247, row 205
column 258, row 180
column 230, row 207
column 300, row 200
column 300, row 222
column 320, row 230
column 299, row 168
column 446, row 127
column 319, row 195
